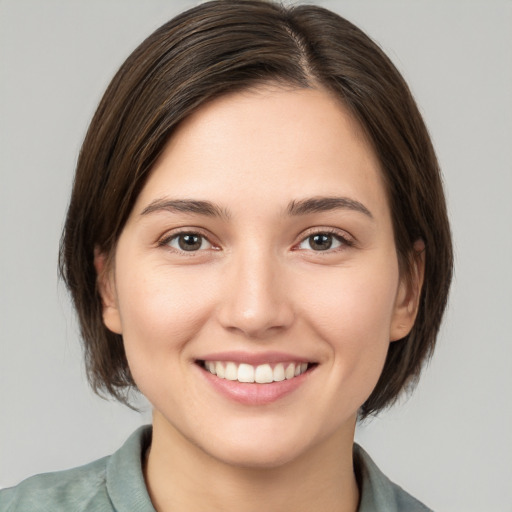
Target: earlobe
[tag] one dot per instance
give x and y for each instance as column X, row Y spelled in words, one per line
column 107, row 290
column 408, row 296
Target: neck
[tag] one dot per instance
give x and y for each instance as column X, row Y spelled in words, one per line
column 181, row 477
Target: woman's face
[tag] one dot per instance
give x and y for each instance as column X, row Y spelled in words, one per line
column 260, row 249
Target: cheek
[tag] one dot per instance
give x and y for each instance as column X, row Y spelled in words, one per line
column 353, row 300
column 351, row 311
column 160, row 311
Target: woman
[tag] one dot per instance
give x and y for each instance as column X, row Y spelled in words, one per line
column 257, row 241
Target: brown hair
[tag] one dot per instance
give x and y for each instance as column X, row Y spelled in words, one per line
column 224, row 46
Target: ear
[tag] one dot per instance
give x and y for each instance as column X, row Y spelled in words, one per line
column 107, row 290
column 408, row 296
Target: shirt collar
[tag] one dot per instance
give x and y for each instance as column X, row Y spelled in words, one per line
column 125, row 480
column 128, row 493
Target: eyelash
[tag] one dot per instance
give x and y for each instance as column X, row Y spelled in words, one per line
column 343, row 239
column 165, row 242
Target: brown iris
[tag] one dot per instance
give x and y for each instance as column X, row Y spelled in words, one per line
column 189, row 242
column 320, row 241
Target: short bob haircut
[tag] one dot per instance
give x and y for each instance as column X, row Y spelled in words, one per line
column 224, row 46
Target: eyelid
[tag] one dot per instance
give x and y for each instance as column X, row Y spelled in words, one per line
column 165, row 239
column 346, row 239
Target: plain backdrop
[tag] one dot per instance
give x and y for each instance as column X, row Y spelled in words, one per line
column 450, row 443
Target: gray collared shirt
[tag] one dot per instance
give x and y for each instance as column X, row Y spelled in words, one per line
column 116, row 484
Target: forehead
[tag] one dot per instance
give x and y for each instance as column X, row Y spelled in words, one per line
column 270, row 143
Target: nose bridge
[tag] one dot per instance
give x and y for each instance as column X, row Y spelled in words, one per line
column 256, row 302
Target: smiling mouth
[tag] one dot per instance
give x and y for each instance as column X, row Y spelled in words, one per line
column 260, row 374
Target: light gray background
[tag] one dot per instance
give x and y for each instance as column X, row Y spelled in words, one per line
column 450, row 444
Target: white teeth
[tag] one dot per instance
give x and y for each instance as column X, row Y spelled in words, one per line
column 219, row 370
column 261, row 374
column 231, row 371
column 245, row 373
column 279, row 372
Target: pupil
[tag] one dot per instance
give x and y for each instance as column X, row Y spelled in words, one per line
column 321, row 242
column 189, row 242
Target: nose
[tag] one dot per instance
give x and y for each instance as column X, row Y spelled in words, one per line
column 257, row 301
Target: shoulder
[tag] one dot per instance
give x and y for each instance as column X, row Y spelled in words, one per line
column 378, row 492
column 113, row 483
column 78, row 489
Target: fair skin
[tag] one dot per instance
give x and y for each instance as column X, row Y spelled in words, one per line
column 291, row 261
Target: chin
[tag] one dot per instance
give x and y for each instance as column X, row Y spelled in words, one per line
column 266, row 444
column 255, row 456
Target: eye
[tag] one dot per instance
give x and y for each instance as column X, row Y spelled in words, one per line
column 189, row 242
column 323, row 241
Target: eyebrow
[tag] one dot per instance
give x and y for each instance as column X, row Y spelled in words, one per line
column 325, row 204
column 197, row 207
column 295, row 207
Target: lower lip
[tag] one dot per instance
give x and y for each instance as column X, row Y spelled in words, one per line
column 254, row 393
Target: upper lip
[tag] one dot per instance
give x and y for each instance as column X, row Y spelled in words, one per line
column 254, row 359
